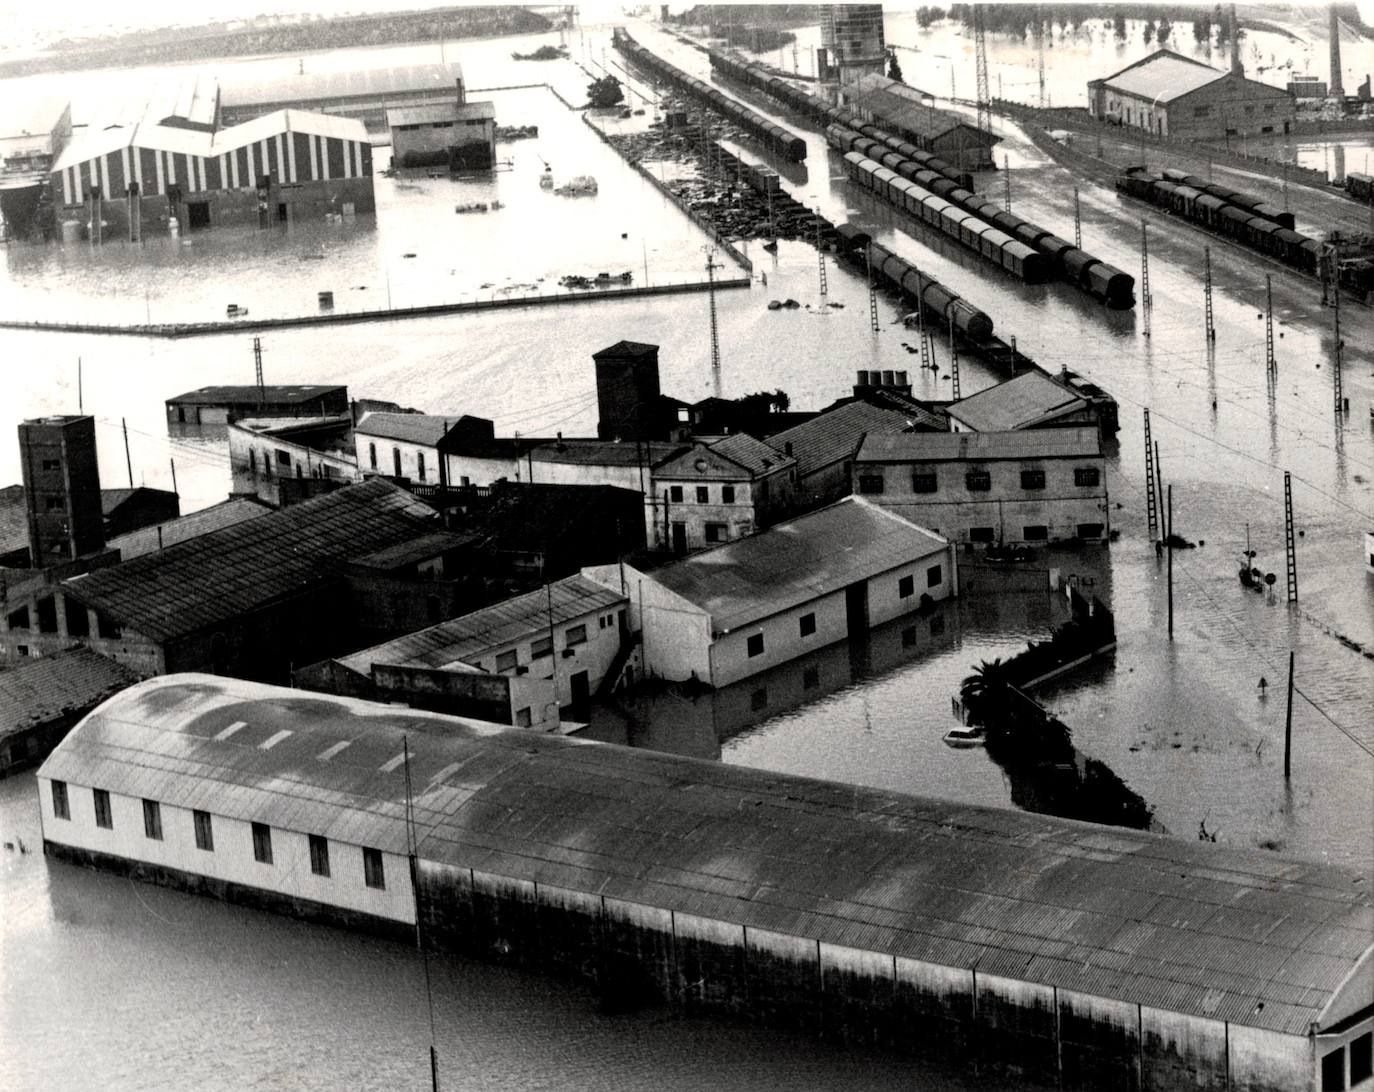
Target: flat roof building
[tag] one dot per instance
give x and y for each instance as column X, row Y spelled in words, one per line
column 1052, row 951
column 219, row 405
column 458, row 135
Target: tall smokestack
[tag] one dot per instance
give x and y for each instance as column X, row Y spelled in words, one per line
column 1337, row 89
column 1237, row 69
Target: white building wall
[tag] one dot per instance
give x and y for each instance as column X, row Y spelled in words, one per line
column 261, row 471
column 782, row 639
column 386, row 449
column 232, row 858
column 676, row 634
column 885, row 600
column 475, row 470
column 1267, row 1059
column 593, row 656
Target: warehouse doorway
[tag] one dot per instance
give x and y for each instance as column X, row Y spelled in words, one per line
column 856, row 609
column 197, row 215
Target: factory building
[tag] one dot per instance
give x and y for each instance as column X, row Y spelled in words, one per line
column 1170, row 95
column 458, row 135
column 33, row 133
column 125, row 180
column 221, row 405
column 911, row 114
column 1042, row 950
column 364, row 96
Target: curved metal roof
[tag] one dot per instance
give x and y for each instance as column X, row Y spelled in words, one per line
column 1211, row 931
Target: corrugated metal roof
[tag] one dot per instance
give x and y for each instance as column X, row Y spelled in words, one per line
column 271, row 393
column 1041, row 443
column 426, row 429
column 43, row 689
column 791, row 563
column 365, row 83
column 834, row 435
column 1163, row 76
column 754, row 455
column 227, row 572
column 412, row 550
column 491, row 628
column 288, row 121
column 908, row 108
column 159, row 536
column 1030, row 399
column 1038, row 899
column 607, row 452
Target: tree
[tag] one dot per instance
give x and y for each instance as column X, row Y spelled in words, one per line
column 1119, row 25
column 1149, row 32
column 894, row 70
column 1165, row 29
column 605, row 92
column 986, row 691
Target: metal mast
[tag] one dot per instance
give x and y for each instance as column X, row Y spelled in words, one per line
column 1145, row 272
column 954, row 360
column 1151, row 497
column 1269, row 361
column 872, row 291
column 1077, row 222
column 1207, row 292
column 1040, row 51
column 711, row 268
column 257, row 369
column 1338, row 390
column 1290, row 548
column 820, row 257
column 981, row 48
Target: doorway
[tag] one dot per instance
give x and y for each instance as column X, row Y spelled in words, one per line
column 581, row 691
column 197, row 214
column 679, row 538
column 281, row 212
column 856, row 609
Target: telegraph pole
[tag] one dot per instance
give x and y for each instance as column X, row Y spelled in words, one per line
column 1288, row 724
column 711, row 268
column 872, row 291
column 1077, row 222
column 1289, row 545
column 1207, row 292
column 1269, row 325
column 926, row 348
column 1169, row 546
column 820, row 256
column 954, row 360
column 1339, row 354
column 128, row 462
column 1151, row 497
column 257, row 369
column 1145, row 272
column 1006, row 183
column 984, row 114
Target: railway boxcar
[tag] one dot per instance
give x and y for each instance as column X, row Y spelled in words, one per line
column 1108, row 283
column 1359, row 186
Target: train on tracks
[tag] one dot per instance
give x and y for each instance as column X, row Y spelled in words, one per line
column 1228, row 219
column 1360, row 186
column 785, row 143
column 1255, row 205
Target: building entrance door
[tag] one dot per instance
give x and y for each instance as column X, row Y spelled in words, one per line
column 679, row 538
column 856, row 609
column 197, row 214
column 581, row 690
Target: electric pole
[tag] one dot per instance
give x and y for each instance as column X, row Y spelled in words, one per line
column 1207, row 292
column 1289, row 545
column 1145, row 271
column 711, row 268
column 981, row 68
column 1151, row 498
column 257, row 369
column 1269, row 324
column 1077, row 222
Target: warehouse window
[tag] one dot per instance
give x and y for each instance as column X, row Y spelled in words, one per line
column 1035, row 532
column 262, row 843
column 1268, row 107
column 53, row 504
column 716, row 532
column 1087, row 475
column 1089, row 530
column 1032, row 479
column 319, row 854
column 103, row 817
column 982, row 534
column 703, row 494
column 754, row 646
column 541, row 647
column 152, row 820
column 871, row 484
column 420, row 460
column 978, row 481
column 807, row 624
column 906, row 587
column 372, row 455
column 1361, row 1058
column 1202, row 111
column 675, row 494
column 373, row 872
column 1249, row 107
column 252, row 462
column 506, row 661
column 396, row 460
column 924, row 481
column 575, row 635
column 934, row 575
column 727, row 494
column 283, row 458
column 1333, row 1071
column 205, row 831
column 61, row 809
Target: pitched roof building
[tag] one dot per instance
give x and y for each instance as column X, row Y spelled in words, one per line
column 1031, row 400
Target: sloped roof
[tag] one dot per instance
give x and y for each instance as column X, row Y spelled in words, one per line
column 288, row 121
column 228, row 572
column 754, row 455
column 1028, row 400
column 40, row 690
column 359, row 83
column 905, row 107
column 413, row 428
column 791, row 563
column 14, row 519
column 490, row 629
column 1040, row 443
column 159, row 536
column 834, row 435
column 1163, row 75
column 1221, row 932
column 111, row 499
column 607, row 452
column 272, row 392
column 439, row 111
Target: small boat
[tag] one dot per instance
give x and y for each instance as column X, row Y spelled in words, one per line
column 771, row 246
column 965, row 737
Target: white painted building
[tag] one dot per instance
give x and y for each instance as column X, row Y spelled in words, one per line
column 264, row 451
column 730, row 612
column 401, row 445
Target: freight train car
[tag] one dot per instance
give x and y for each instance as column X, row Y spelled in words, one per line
column 923, row 289
column 1359, row 186
column 1255, row 205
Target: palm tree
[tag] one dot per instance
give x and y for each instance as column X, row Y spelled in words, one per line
column 985, row 691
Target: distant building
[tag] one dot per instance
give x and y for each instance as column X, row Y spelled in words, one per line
column 1307, row 87
column 364, row 95
column 61, row 488
column 912, row 115
column 1171, row 95
column 409, row 445
column 158, row 536
column 125, row 510
column 458, row 135
column 33, row 132
column 41, row 699
column 853, row 39
column 268, row 455
column 514, row 662
column 1042, row 485
column 223, row 404
column 1031, row 400
column 739, row 609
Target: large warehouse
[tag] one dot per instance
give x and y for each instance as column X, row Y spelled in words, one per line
column 364, row 95
column 1171, row 95
column 284, row 166
column 1042, row 950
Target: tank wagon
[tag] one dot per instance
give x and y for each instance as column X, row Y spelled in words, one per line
column 1256, row 206
column 1223, row 217
column 924, row 290
column 1061, row 257
column 775, row 137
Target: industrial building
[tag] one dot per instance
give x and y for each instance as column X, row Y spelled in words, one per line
column 458, row 135
column 1170, row 95
column 220, row 405
column 1045, row 950
column 1031, row 400
column 281, row 460
column 125, row 180
column 33, row 133
column 412, row 446
column 911, row 114
column 730, row 612
column 1038, row 485
column 363, row 96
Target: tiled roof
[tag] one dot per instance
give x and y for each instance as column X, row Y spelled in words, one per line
column 754, row 455
column 14, row 519
column 225, row 573
column 1220, row 932
column 1040, row 443
column 159, row 536
column 412, row 551
column 412, row 428
column 834, row 436
column 905, row 107
column 791, row 563
column 291, row 392
column 43, row 689
column 491, row 628
column 607, row 452
column 1163, row 76
column 1029, row 399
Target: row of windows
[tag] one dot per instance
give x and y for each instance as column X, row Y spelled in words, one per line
column 703, row 494
column 319, row 470
column 1360, row 1054
column 540, row 647
column 373, row 869
column 977, row 481
column 420, row 470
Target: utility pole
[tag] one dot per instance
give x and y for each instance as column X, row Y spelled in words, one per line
column 1151, row 497
column 128, row 462
column 1077, row 222
column 1040, row 51
column 1289, row 546
column 872, row 291
column 1269, row 362
column 954, row 360
column 820, row 256
column 926, row 348
column 984, row 115
column 1169, row 547
column 257, row 370
column 1339, row 354
column 1145, row 271
column 711, row 268
column 1006, row 183
column 1207, row 292
column 1288, row 724
column 174, row 477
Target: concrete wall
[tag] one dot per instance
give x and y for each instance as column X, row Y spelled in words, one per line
column 676, row 634
column 257, row 465
column 232, row 858
column 1228, row 104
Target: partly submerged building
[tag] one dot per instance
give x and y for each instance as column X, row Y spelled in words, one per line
column 1040, row 949
column 364, row 95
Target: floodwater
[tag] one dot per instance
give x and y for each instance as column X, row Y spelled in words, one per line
column 104, row 973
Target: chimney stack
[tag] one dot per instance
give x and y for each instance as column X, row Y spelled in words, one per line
column 1337, row 88
column 1237, row 69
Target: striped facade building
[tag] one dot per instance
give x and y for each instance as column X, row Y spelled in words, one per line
column 275, row 168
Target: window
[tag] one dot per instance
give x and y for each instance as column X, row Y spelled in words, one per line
column 103, row 817
column 523, row 718
column 541, row 647
column 758, row 699
column 262, row 843
column 319, row 855
column 923, row 481
column 205, row 832
column 372, row 456
column 252, row 462
column 1087, row 475
column 703, row 494
column 420, row 461
column 717, row 532
column 1249, row 108
column 1269, row 109
column 506, row 661
column 754, row 646
column 1035, row 532
column 934, row 575
column 982, row 534
column 54, row 504
column 1089, row 530
column 373, row 874
column 675, row 494
column 266, row 465
column 61, row 809
column 1032, row 479
column 1333, row 1071
column 906, row 587
column 727, row 494
column 978, row 481
column 152, row 820
column 807, row 624
column 52, row 464
column 396, row 461
column 283, row 458
column 575, row 635
column 870, row 483
column 1361, row 1058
